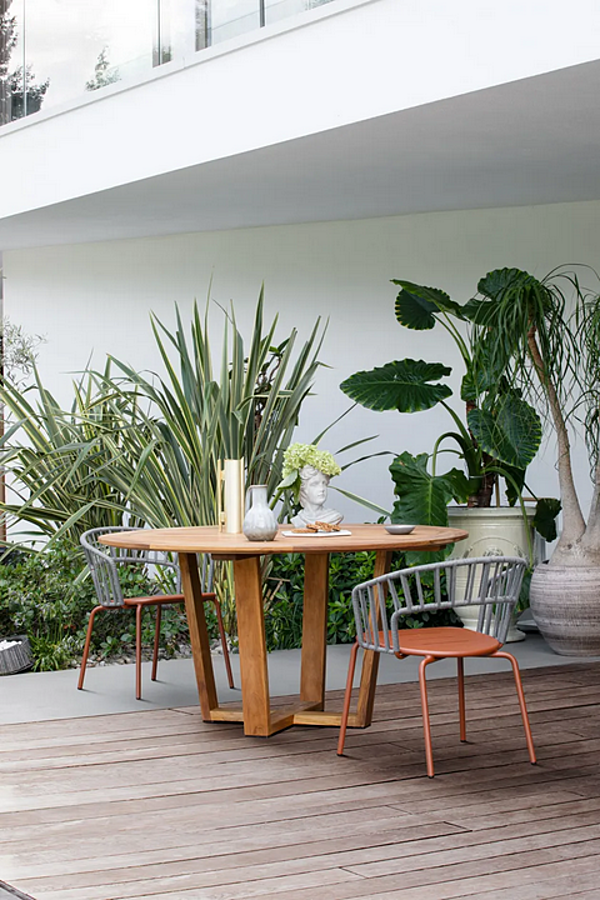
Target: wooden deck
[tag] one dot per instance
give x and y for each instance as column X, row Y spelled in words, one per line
column 159, row 805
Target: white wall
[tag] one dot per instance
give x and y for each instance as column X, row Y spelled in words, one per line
column 340, row 64
column 96, row 298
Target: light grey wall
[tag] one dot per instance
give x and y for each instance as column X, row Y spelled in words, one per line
column 95, row 298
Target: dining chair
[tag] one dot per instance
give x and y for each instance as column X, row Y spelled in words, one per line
column 103, row 562
column 491, row 583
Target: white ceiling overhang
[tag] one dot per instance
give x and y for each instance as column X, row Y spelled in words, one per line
column 530, row 142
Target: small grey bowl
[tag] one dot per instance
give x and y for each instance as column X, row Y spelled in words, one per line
column 400, row 529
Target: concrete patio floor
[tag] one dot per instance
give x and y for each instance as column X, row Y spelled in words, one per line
column 36, row 697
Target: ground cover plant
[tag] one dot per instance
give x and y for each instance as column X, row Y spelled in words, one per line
column 48, row 596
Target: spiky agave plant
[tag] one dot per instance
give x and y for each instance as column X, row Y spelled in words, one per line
column 166, row 459
column 53, row 459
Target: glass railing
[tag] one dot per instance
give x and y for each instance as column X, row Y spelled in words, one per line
column 54, row 51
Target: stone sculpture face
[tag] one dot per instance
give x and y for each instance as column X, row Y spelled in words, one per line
column 313, row 487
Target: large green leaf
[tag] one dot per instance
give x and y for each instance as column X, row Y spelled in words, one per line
column 421, row 498
column 403, row 385
column 512, row 434
column 416, row 305
column 544, row 519
column 497, row 282
column 415, row 312
column 498, row 289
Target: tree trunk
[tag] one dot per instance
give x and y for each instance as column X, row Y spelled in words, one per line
column 566, row 551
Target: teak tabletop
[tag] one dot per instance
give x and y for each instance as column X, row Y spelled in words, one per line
column 256, row 712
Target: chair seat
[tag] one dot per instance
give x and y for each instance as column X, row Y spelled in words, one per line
column 446, row 642
column 153, row 600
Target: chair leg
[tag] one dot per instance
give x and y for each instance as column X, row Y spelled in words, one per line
column 460, row 666
column 521, row 696
column 86, row 649
column 425, row 707
column 347, row 700
column 138, row 652
column 156, row 641
column 224, row 643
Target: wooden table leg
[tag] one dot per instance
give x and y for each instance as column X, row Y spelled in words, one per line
column 194, row 608
column 253, row 645
column 314, row 629
column 370, row 666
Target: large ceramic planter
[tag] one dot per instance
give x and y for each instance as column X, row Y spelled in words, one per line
column 565, row 602
column 493, row 531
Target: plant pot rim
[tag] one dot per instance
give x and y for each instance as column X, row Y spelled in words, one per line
column 483, row 511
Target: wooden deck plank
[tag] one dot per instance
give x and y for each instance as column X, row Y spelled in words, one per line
column 158, row 804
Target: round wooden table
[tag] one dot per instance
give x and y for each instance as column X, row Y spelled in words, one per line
column 256, row 712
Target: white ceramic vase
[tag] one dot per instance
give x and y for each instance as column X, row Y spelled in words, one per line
column 260, row 522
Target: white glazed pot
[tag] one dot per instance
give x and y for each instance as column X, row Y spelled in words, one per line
column 493, row 531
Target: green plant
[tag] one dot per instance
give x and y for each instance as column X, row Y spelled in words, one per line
column 56, row 458
column 549, row 335
column 299, row 455
column 501, row 432
column 48, row 596
column 285, row 591
column 166, row 465
column 150, row 445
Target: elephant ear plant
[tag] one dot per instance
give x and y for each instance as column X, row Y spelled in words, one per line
column 499, row 435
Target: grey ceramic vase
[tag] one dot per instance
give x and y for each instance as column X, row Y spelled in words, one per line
column 565, row 602
column 260, row 522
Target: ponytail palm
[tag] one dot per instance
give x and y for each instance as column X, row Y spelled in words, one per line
column 550, row 338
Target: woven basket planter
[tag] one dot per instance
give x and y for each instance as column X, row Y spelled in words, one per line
column 17, row 658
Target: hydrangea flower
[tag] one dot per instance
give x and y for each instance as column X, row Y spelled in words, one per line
column 299, row 455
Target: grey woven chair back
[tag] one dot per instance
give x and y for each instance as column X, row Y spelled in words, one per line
column 103, row 561
column 493, row 583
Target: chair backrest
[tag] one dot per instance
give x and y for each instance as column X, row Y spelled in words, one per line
column 493, row 583
column 103, row 560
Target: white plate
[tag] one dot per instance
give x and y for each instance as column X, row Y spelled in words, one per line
column 303, row 534
column 400, row 529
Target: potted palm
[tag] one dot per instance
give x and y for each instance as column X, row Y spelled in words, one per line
column 548, row 338
column 497, row 438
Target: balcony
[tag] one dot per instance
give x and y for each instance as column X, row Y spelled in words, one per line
column 53, row 52
column 341, row 110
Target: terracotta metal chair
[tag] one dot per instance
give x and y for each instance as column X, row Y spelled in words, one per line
column 491, row 583
column 103, row 562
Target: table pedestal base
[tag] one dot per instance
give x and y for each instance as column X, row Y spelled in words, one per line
column 257, row 714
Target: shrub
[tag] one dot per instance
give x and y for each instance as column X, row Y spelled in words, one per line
column 284, row 599
column 48, row 595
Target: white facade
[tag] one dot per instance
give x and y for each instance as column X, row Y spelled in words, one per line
column 324, row 156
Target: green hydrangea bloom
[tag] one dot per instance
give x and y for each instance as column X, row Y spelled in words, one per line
column 299, row 455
